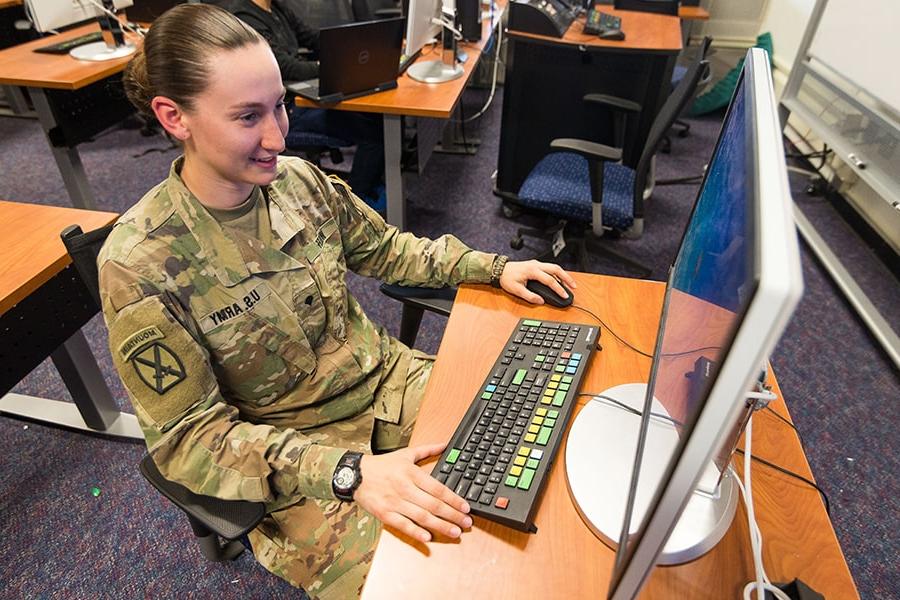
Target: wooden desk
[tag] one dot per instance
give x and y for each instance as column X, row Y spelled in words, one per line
column 693, row 13
column 564, row 559
column 548, row 77
column 58, row 86
column 416, row 99
column 43, row 305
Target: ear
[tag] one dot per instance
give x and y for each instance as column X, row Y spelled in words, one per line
column 171, row 117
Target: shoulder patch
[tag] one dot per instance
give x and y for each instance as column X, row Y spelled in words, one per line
column 159, row 367
column 137, row 340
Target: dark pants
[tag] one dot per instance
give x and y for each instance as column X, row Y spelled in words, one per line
column 364, row 130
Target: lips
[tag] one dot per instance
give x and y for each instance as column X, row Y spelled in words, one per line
column 266, row 163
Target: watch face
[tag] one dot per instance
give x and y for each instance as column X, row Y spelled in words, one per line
column 344, row 478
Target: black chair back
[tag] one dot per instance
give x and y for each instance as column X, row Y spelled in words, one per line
column 670, row 110
column 84, row 249
column 663, row 7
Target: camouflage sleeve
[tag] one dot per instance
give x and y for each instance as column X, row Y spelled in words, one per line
column 194, row 436
column 375, row 249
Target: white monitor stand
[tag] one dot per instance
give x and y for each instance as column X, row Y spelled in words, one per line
column 111, row 47
column 439, row 71
column 600, row 453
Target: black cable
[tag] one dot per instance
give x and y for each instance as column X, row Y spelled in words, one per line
column 795, row 476
column 614, row 334
column 788, row 472
column 791, row 425
column 641, row 352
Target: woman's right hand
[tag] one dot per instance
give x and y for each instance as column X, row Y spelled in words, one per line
column 406, row 497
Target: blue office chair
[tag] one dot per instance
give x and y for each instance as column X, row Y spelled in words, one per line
column 584, row 182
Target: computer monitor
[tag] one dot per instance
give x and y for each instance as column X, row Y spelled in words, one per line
column 48, row 15
column 423, row 24
column 646, row 463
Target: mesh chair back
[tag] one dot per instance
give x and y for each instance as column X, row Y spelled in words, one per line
column 663, row 7
column 322, row 13
column 84, row 248
column 670, row 110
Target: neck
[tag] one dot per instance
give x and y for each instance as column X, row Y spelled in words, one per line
column 266, row 5
column 210, row 189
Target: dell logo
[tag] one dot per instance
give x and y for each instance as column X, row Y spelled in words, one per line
column 363, row 57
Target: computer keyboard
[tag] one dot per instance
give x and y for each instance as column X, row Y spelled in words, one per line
column 64, row 46
column 503, row 448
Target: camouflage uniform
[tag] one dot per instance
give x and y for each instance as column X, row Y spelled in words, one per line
column 252, row 370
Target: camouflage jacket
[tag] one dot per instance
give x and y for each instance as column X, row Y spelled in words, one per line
column 250, row 367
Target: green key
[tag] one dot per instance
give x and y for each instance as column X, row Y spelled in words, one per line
column 531, row 323
column 525, row 479
column 548, row 422
column 553, row 414
column 567, row 379
column 520, row 376
column 486, row 396
column 560, row 368
column 453, row 455
column 564, row 386
column 559, row 398
column 532, row 464
column 544, row 436
column 539, row 358
column 511, row 481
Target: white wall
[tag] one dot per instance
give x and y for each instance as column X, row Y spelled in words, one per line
column 786, row 20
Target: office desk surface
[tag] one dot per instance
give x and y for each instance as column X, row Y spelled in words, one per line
column 20, row 65
column 644, row 32
column 414, row 98
column 32, row 251
column 564, row 559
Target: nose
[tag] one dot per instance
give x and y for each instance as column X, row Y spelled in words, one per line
column 273, row 135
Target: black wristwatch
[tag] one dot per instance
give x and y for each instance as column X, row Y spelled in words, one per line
column 347, row 476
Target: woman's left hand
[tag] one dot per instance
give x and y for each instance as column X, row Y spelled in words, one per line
column 516, row 274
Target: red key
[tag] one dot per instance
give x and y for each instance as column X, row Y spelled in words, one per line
column 502, row 502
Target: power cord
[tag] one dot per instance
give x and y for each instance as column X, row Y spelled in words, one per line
column 490, row 99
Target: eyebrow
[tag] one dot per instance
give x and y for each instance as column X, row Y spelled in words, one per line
column 246, row 105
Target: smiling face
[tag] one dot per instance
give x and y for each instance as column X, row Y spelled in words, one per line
column 235, row 130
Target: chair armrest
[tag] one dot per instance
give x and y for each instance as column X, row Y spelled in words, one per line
column 387, row 13
column 613, row 102
column 589, row 150
column 229, row 519
column 438, row 300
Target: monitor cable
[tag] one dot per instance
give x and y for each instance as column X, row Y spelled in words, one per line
column 113, row 15
column 487, row 104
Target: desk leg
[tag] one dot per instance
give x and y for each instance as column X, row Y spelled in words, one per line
column 18, row 106
column 67, row 159
column 393, row 173
column 94, row 408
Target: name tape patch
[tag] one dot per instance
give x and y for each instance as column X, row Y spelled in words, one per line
column 236, row 308
column 138, row 340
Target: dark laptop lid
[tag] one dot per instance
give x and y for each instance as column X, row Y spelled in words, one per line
column 357, row 57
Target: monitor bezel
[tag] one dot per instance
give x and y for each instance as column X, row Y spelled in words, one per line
column 779, row 287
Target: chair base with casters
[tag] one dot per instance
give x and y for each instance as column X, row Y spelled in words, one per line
column 217, row 524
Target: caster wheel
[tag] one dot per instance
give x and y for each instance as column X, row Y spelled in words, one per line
column 511, row 212
column 517, row 243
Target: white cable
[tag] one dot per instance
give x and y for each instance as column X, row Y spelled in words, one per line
column 112, row 14
column 490, row 99
column 762, row 583
column 447, row 25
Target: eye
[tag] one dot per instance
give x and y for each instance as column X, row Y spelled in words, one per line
column 248, row 117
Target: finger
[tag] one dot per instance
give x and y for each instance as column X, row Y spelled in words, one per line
column 425, row 519
column 440, row 509
column 565, row 277
column 426, row 451
column 438, row 490
column 547, row 278
column 406, row 526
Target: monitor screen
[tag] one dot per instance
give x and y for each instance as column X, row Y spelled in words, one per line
column 731, row 289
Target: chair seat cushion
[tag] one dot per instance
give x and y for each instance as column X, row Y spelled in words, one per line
column 560, row 185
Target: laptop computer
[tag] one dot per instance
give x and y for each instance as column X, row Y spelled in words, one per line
column 354, row 60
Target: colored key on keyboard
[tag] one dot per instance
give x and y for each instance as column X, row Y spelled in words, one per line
column 504, row 447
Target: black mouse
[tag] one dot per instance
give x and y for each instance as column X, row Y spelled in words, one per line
column 549, row 296
column 612, row 34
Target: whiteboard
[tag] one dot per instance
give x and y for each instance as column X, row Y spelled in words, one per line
column 860, row 39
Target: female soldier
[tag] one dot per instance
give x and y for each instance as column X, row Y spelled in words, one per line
column 253, row 373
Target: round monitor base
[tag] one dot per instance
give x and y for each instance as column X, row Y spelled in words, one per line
column 600, row 453
column 435, row 71
column 98, row 51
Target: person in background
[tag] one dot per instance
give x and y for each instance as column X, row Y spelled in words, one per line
column 286, row 35
column 253, row 373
